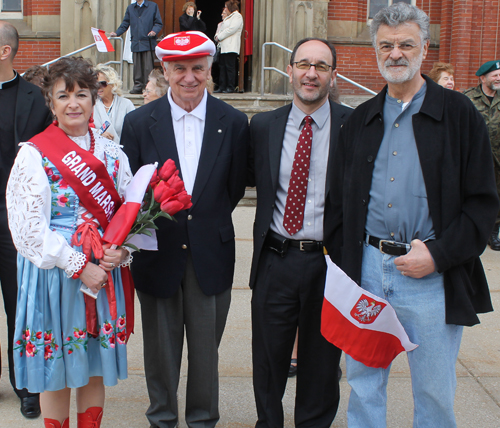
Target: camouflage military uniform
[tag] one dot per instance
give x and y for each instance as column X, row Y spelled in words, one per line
column 491, row 114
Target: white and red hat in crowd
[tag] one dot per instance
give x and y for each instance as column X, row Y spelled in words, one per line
column 185, row 45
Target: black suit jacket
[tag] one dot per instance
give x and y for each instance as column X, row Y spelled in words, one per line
column 32, row 115
column 267, row 131
column 206, row 228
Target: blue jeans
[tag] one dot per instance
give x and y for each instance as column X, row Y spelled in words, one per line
column 420, row 306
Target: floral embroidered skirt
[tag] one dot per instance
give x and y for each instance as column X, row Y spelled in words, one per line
column 51, row 347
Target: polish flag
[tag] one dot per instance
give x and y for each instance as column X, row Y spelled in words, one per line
column 101, row 41
column 123, row 220
column 363, row 325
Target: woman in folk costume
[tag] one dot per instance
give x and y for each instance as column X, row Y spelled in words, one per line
column 64, row 188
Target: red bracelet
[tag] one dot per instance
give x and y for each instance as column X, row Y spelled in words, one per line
column 77, row 274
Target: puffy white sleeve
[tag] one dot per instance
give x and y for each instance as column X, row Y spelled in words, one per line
column 28, row 206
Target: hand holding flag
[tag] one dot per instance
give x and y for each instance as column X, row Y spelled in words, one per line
column 101, row 41
column 363, row 325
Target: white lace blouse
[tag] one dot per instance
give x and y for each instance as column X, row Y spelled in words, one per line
column 29, row 206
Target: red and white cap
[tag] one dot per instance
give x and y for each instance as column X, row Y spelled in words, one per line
column 184, row 45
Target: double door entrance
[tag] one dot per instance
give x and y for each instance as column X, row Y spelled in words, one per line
column 171, row 10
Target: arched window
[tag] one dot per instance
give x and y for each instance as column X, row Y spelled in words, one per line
column 375, row 5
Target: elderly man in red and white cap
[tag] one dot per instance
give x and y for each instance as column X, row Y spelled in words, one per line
column 185, row 286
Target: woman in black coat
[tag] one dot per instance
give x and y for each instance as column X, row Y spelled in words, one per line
column 190, row 19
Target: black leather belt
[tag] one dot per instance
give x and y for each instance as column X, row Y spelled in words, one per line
column 387, row 246
column 280, row 244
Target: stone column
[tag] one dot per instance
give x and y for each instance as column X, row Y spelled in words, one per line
column 78, row 16
column 284, row 22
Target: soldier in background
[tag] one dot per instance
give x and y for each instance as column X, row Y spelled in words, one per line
column 486, row 98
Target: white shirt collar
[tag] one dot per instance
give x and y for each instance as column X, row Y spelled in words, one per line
column 200, row 111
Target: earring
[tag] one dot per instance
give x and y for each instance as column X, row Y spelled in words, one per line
column 55, row 122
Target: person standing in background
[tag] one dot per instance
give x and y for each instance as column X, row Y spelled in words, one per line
column 144, row 20
column 190, row 19
column 486, row 98
column 24, row 114
column 229, row 38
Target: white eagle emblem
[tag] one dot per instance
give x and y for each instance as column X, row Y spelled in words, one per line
column 182, row 41
column 366, row 310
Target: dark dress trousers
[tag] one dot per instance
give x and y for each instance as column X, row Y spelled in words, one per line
column 192, row 271
column 288, row 293
column 31, row 117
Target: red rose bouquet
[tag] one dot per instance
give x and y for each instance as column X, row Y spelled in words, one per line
column 165, row 197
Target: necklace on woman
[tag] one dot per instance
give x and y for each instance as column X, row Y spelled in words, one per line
column 108, row 109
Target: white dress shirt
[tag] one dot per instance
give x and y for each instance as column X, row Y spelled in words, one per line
column 188, row 131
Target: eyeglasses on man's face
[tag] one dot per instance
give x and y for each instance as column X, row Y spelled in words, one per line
column 304, row 65
column 389, row 47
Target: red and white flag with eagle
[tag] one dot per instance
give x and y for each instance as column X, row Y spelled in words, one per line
column 363, row 325
column 102, row 43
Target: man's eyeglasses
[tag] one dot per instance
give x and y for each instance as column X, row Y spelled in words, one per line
column 146, row 91
column 388, row 47
column 103, row 83
column 303, row 65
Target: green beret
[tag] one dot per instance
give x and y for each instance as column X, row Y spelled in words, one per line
column 487, row 67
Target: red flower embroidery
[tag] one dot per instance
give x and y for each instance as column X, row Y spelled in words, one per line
column 79, row 334
column 61, row 200
column 55, row 177
column 63, row 184
column 121, row 323
column 121, row 337
column 26, row 334
column 48, row 352
column 48, row 171
column 18, row 342
column 70, row 351
column 30, row 349
column 107, row 328
column 47, row 338
column 68, row 339
column 38, row 334
column 112, row 341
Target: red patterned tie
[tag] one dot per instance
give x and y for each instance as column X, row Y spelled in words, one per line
column 297, row 189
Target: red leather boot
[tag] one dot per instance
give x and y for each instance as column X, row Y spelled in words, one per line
column 52, row 423
column 91, row 418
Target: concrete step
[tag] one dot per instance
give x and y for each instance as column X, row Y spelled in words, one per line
column 253, row 103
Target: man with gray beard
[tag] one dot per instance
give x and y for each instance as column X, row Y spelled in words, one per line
column 412, row 203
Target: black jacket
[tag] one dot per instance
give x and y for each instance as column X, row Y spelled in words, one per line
column 141, row 21
column 191, row 23
column 206, row 228
column 267, row 131
column 455, row 155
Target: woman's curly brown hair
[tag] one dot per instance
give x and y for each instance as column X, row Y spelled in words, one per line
column 438, row 68
column 74, row 71
column 189, row 4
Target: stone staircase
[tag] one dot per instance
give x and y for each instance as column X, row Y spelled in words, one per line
column 253, row 103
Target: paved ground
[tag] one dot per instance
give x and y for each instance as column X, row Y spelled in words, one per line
column 478, row 369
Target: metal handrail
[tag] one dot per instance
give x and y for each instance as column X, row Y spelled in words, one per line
column 352, row 82
column 120, row 62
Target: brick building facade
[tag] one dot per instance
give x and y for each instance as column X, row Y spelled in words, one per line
column 465, row 33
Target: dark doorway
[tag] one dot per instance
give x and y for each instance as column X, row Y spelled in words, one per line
column 210, row 14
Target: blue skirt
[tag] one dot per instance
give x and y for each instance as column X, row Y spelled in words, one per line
column 52, row 349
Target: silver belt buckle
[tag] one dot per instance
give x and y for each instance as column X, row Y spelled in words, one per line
column 301, row 247
column 382, row 241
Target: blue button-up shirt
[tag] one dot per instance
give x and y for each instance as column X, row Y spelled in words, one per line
column 398, row 207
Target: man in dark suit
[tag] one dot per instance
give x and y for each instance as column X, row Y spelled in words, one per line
column 185, row 286
column 290, row 150
column 24, row 115
column 144, row 20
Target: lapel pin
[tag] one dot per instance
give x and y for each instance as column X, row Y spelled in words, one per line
column 220, row 131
